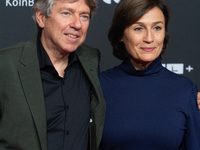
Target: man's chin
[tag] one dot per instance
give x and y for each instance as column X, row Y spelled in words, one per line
column 70, row 48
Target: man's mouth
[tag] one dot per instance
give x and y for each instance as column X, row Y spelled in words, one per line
column 72, row 36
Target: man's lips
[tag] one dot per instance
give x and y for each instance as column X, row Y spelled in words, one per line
column 148, row 49
column 72, row 35
column 73, row 38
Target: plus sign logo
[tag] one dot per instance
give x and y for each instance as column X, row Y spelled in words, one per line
column 189, row 68
column 177, row 68
column 109, row 1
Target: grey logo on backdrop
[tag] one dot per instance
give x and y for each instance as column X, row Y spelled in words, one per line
column 110, row 1
column 178, row 67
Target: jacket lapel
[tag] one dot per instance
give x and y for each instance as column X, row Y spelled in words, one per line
column 90, row 65
column 89, row 61
column 29, row 74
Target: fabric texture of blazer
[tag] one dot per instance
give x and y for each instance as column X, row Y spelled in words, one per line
column 22, row 107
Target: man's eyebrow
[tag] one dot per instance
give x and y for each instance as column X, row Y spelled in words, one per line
column 73, row 10
column 66, row 8
column 84, row 12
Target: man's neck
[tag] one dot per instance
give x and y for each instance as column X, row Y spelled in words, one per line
column 59, row 58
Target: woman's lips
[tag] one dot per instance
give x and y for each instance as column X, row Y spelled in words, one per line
column 148, row 49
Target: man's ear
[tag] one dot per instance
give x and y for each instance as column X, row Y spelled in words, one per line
column 40, row 18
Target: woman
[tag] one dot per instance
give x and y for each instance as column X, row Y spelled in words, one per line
column 148, row 107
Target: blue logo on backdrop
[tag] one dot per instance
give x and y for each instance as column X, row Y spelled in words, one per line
column 16, row 3
column 110, row 1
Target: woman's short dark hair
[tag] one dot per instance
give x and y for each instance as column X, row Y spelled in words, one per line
column 127, row 13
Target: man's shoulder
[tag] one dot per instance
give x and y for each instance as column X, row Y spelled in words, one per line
column 88, row 56
column 16, row 49
column 12, row 55
column 87, row 47
column 87, row 50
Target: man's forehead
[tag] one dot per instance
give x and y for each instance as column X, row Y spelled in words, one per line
column 70, row 1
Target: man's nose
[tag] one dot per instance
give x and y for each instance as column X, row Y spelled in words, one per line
column 76, row 23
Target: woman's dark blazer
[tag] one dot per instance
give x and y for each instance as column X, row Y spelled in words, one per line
column 22, row 107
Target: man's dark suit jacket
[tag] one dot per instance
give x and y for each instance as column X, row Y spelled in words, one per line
column 22, row 107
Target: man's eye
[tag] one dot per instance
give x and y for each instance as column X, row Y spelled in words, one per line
column 85, row 17
column 66, row 13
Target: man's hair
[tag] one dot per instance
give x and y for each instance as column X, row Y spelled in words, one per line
column 127, row 13
column 45, row 6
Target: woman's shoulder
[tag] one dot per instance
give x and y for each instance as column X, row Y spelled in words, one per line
column 112, row 73
column 177, row 79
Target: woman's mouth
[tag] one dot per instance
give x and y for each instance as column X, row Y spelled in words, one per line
column 148, row 49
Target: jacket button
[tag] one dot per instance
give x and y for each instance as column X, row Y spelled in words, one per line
column 67, row 132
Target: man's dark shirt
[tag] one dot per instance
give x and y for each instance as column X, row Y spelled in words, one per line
column 67, row 102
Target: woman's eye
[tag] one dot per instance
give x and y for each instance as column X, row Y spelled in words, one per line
column 138, row 29
column 157, row 28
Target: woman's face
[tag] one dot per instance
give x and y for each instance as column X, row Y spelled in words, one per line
column 144, row 39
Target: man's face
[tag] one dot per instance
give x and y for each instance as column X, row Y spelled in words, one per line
column 66, row 28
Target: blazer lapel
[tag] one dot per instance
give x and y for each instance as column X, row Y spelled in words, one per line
column 29, row 74
column 89, row 61
column 89, row 64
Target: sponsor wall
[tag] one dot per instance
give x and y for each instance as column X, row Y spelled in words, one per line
column 182, row 56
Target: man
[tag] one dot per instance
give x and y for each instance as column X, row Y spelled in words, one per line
column 50, row 96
